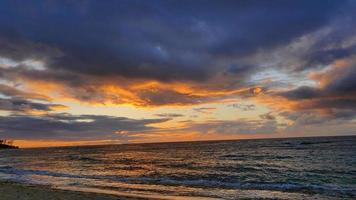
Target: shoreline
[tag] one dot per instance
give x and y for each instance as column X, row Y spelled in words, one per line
column 23, row 191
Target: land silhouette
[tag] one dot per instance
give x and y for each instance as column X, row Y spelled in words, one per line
column 7, row 144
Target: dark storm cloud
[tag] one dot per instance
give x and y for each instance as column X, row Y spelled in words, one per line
column 238, row 69
column 15, row 100
column 16, row 93
column 303, row 92
column 15, row 47
column 333, row 43
column 344, row 81
column 343, row 88
column 329, row 104
column 334, row 101
column 72, row 127
column 256, row 26
column 22, row 105
column 318, row 56
column 163, row 40
column 309, row 118
column 339, row 91
column 213, row 46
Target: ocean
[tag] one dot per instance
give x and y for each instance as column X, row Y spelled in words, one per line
column 293, row 168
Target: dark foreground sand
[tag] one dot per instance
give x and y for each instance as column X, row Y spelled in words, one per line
column 15, row 191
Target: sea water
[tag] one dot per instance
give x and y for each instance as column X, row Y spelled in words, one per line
column 294, row 168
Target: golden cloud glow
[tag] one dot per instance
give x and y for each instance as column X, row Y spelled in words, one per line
column 138, row 93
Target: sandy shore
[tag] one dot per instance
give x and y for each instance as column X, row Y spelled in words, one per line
column 18, row 191
column 15, row 191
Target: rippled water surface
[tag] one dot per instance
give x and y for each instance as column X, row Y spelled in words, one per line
column 305, row 168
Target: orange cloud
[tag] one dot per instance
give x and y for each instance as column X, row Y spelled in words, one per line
column 337, row 69
column 140, row 93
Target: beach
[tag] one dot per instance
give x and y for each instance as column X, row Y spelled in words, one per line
column 16, row 191
column 22, row 191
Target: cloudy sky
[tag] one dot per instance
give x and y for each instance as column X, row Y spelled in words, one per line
column 97, row 72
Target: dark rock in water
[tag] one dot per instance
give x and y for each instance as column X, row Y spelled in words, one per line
column 6, row 146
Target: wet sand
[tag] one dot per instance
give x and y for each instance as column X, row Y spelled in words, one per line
column 16, row 191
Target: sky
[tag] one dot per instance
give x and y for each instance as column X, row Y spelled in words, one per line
column 103, row 72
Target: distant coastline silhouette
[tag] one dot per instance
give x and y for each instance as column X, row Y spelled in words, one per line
column 7, row 144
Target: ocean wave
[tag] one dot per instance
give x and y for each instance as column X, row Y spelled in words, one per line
column 330, row 190
column 254, row 157
column 274, row 186
column 83, row 158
